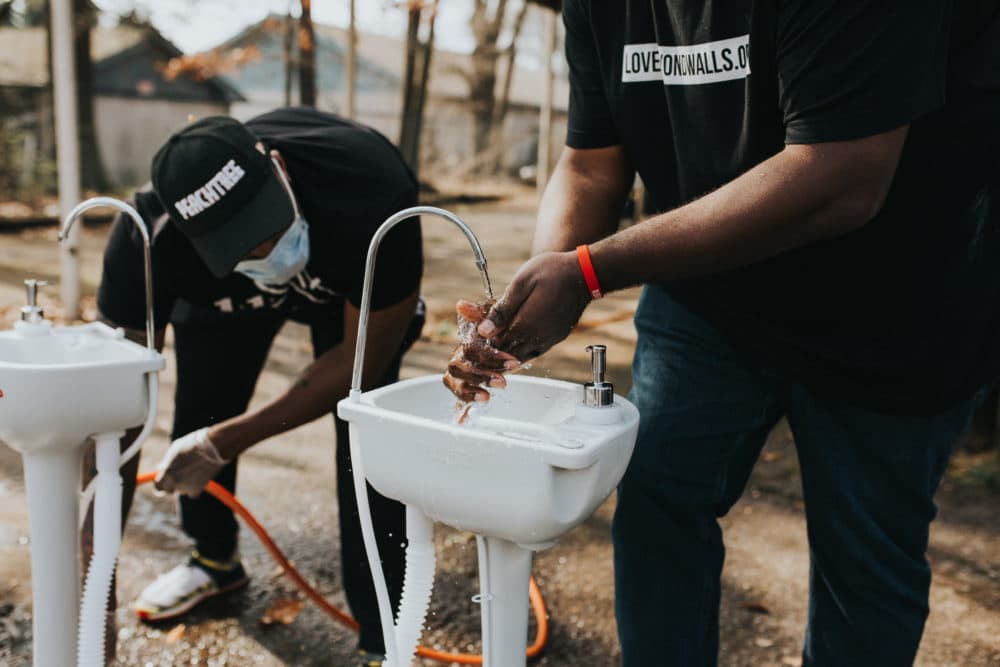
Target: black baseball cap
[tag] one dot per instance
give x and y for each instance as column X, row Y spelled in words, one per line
column 220, row 191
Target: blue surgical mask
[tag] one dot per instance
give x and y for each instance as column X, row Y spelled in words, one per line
column 285, row 261
column 289, row 255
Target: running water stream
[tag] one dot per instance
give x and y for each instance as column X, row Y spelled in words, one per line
column 486, row 283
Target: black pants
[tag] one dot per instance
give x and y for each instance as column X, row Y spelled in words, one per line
column 219, row 358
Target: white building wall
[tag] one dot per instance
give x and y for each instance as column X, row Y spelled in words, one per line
column 130, row 131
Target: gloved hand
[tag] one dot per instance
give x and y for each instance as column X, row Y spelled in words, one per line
column 190, row 463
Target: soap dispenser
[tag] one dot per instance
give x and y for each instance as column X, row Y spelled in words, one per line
column 32, row 322
column 598, row 405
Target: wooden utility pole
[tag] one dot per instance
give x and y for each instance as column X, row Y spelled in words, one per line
column 350, row 63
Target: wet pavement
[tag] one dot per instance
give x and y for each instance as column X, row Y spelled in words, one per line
column 287, row 482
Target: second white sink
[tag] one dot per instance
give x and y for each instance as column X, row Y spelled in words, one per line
column 60, row 386
column 526, row 470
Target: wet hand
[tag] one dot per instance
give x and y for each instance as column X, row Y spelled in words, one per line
column 475, row 364
column 190, row 463
column 541, row 306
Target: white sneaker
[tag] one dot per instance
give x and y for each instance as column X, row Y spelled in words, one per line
column 184, row 587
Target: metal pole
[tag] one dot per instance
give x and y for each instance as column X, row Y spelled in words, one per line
column 67, row 146
column 545, row 118
column 349, row 62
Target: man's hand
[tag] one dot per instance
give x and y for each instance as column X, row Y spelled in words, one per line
column 541, row 306
column 190, row 463
column 475, row 363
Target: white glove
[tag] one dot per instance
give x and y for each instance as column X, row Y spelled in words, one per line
column 190, row 463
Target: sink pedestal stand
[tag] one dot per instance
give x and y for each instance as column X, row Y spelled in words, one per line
column 52, row 485
column 504, row 575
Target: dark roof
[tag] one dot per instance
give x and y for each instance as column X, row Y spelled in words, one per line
column 267, row 71
column 137, row 71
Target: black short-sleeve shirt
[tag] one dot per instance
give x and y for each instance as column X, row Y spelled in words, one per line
column 901, row 315
column 347, row 179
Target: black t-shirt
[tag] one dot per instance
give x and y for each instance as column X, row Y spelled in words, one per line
column 347, row 180
column 901, row 315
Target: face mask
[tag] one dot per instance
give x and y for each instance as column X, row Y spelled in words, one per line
column 289, row 255
column 285, row 261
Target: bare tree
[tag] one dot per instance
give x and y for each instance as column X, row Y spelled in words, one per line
column 489, row 19
column 544, row 162
column 500, row 108
column 415, row 78
column 92, row 173
column 288, row 40
column 307, row 56
column 487, row 22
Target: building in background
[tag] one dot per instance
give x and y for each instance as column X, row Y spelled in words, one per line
column 447, row 143
column 136, row 106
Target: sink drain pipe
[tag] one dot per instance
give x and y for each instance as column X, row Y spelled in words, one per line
column 107, row 542
column 402, row 637
column 91, row 638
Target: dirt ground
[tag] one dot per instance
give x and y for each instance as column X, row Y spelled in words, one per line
column 288, row 483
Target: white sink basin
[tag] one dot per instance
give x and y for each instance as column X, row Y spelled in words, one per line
column 60, row 387
column 526, row 470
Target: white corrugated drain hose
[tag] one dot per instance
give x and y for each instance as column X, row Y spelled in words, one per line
column 91, row 637
column 107, row 541
column 418, row 580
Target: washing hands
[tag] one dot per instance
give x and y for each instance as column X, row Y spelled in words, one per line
column 540, row 307
column 475, row 364
column 189, row 464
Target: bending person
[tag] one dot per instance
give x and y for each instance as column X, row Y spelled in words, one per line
column 253, row 225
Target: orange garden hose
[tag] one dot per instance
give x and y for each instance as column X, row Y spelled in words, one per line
column 230, row 501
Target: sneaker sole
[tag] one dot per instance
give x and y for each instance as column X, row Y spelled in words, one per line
column 185, row 607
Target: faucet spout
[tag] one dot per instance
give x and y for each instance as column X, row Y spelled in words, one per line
column 392, row 221
column 121, row 206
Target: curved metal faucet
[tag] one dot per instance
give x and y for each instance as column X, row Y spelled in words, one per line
column 121, row 206
column 392, row 221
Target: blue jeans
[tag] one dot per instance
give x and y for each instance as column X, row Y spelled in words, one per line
column 868, row 481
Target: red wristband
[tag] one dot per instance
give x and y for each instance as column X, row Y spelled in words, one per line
column 589, row 275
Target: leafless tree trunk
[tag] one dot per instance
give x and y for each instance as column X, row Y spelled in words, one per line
column 307, row 57
column 406, row 143
column 503, row 104
column 544, row 166
column 350, row 64
column 486, row 27
column 92, row 173
column 287, row 50
column 415, row 81
column 46, row 107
